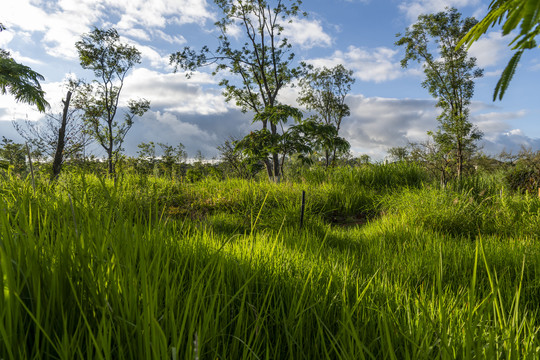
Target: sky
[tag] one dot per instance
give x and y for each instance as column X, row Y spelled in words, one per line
column 389, row 107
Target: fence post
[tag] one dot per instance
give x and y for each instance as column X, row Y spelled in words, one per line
column 303, row 208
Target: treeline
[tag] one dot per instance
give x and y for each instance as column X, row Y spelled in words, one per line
column 161, row 160
column 518, row 171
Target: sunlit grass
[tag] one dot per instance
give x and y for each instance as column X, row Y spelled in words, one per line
column 152, row 269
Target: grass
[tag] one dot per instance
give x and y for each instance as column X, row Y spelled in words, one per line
column 152, row 269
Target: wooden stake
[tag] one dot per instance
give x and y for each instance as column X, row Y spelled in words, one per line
column 303, row 208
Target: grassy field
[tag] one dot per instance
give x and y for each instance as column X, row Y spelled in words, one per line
column 386, row 266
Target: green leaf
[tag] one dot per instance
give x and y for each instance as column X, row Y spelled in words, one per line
column 507, row 76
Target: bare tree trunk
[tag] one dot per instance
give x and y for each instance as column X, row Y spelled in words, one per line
column 459, row 162
column 269, row 170
column 110, row 162
column 60, row 144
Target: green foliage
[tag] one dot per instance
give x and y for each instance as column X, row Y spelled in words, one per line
column 21, row 81
column 449, row 78
column 524, row 175
column 102, row 52
column 398, row 153
column 172, row 159
column 324, row 91
column 13, row 154
column 262, row 63
column 235, row 163
column 511, row 13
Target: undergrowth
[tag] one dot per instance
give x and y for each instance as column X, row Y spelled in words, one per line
column 148, row 268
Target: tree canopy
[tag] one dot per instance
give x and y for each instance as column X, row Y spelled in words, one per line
column 262, row 63
column 449, row 76
column 102, row 52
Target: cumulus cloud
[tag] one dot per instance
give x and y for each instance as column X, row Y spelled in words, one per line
column 511, row 141
column 492, row 124
column 63, row 22
column 12, row 110
column 176, row 93
column 379, row 123
column 378, row 65
column 306, row 33
column 490, row 50
column 157, row 13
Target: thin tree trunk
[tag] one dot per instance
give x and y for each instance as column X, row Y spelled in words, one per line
column 275, row 156
column 60, row 144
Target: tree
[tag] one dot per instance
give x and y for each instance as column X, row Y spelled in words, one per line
column 398, row 153
column 172, row 157
column 262, row 64
column 146, row 157
column 58, row 136
column 324, row 91
column 449, row 77
column 14, row 154
column 237, row 163
column 102, row 52
column 21, row 81
column 526, row 14
column 435, row 159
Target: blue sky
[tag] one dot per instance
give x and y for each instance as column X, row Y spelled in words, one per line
column 388, row 105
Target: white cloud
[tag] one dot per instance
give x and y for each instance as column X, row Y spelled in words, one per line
column 377, row 124
column 178, row 39
column 176, row 93
column 413, row 8
column 381, row 123
column 24, row 59
column 63, row 22
column 377, row 65
column 490, row 49
column 158, row 13
column 306, row 33
column 11, row 110
column 511, row 141
column 492, row 124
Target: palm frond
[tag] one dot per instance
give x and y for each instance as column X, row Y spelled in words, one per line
column 507, row 75
column 23, row 83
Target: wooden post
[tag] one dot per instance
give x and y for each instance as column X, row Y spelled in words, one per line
column 303, row 208
column 31, row 168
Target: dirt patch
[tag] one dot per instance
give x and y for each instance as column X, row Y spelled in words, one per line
column 349, row 220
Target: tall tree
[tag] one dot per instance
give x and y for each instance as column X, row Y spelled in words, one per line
column 511, row 13
column 21, row 81
column 262, row 64
column 450, row 75
column 324, row 91
column 102, row 52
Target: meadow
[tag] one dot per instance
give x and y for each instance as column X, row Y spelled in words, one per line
column 387, row 265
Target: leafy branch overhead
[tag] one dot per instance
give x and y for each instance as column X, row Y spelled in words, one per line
column 21, row 81
column 512, row 14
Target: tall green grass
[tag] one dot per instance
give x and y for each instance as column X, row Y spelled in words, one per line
column 151, row 269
